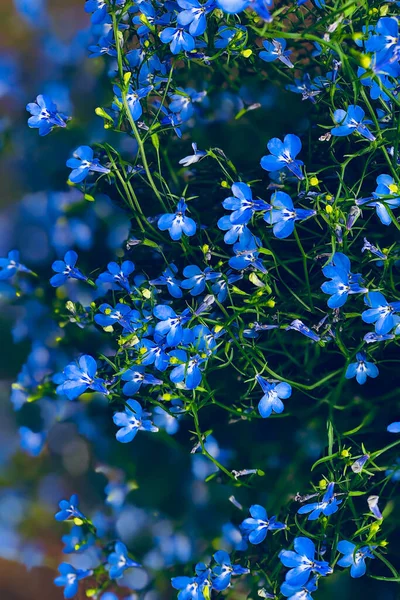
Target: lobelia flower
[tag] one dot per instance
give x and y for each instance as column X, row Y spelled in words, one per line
column 299, row 592
column 328, row 506
column 394, row 427
column 302, row 562
column 171, row 324
column 168, row 278
column 133, row 98
column 193, row 158
column 299, row 326
column 10, row 266
column 45, row 115
column 177, row 223
column 381, row 198
column 351, row 121
column 194, row 15
column 193, row 588
column 373, row 249
column 394, row 471
column 77, row 540
column 283, row 215
column 169, row 421
column 242, row 204
column 69, row 510
column 305, row 87
column 283, row 154
column 276, row 50
column 69, row 577
column 261, row 7
column 182, row 103
column 98, row 8
column 77, row 378
column 358, row 464
column 372, row 502
column 274, row 393
column 135, row 378
column 65, row 269
column 196, row 279
column 31, row 441
column 105, row 45
column 247, row 254
column 189, row 369
column 354, row 558
column 342, row 283
column 380, row 312
column 178, row 39
column 83, row 163
column 118, row 561
column 234, row 232
column 152, row 353
column 224, row 570
column 131, row 421
column 372, row 337
column 117, row 275
column 256, row 527
column 361, row 369
column 122, row 314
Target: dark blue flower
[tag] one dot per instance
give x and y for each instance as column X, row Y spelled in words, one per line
column 302, row 592
column 152, row 353
column 118, row 275
column 354, row 558
column 77, row 378
column 98, row 8
column 194, row 15
column 276, row 50
column 119, row 561
column 66, row 269
column 131, row 421
column 274, row 393
column 10, row 266
column 69, row 509
column 247, row 255
column 77, row 540
column 196, row 278
column 394, row 427
column 178, row 39
column 223, row 571
column 256, row 527
column 193, row 588
column 328, row 506
column 373, row 249
column 83, row 163
column 351, row 121
column 299, row 326
column 135, row 378
column 343, row 282
column 283, row 215
column 168, row 279
column 242, row 204
column 69, row 577
column 182, row 102
column 133, row 98
column 302, row 562
column 188, row 370
column 380, row 312
column 171, row 324
column 130, row 320
column 45, row 115
column 283, row 154
column 361, row 369
column 177, row 223
column 234, row 232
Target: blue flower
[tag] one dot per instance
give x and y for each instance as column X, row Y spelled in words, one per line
column 171, row 324
column 354, row 558
column 283, row 215
column 196, row 278
column 182, row 102
column 30, row 441
column 151, row 353
column 220, row 287
column 189, row 369
column 234, row 232
column 193, row 588
column 77, row 378
column 299, row 326
column 69, row 510
column 177, row 223
column 302, row 592
column 373, row 249
column 133, row 98
column 351, row 121
column 242, row 204
column 283, row 154
column 223, row 571
column 10, row 266
column 83, row 163
column 119, row 561
column 274, row 393
column 275, row 50
column 131, row 421
column 194, row 15
column 122, row 314
column 394, row 427
column 77, row 540
column 380, row 312
column 342, row 283
column 256, row 527
column 361, row 369
column 105, row 45
column 247, row 253
column 118, row 275
column 193, row 158
column 135, row 378
column 178, row 39
column 69, row 577
column 305, row 87
column 385, row 196
column 168, row 279
column 169, row 420
column 233, row 6
column 328, row 506
column 45, row 115
column 66, row 269
column 302, row 562
column 98, row 8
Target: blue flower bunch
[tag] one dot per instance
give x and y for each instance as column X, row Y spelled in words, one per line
column 232, row 300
